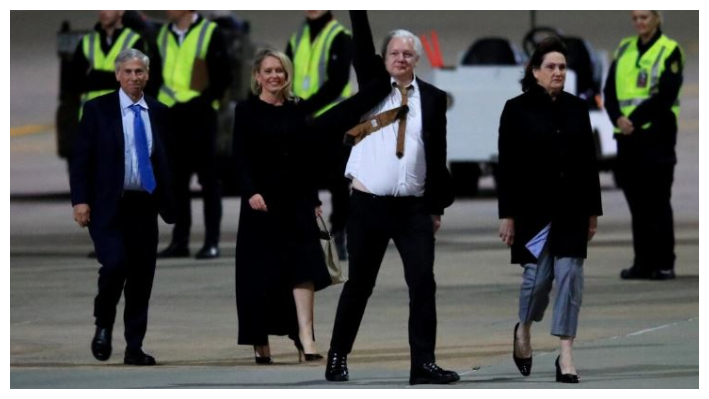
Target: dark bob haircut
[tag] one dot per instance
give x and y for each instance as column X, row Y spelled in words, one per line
column 549, row 45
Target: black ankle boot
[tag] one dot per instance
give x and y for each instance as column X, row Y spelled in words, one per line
column 336, row 367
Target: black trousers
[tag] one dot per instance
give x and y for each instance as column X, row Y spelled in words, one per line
column 374, row 221
column 339, row 187
column 127, row 254
column 336, row 157
column 193, row 145
column 648, row 190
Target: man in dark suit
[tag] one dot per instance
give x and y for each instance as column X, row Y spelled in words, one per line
column 119, row 184
column 400, row 187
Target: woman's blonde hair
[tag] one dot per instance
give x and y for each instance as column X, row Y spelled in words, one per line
column 658, row 15
column 287, row 66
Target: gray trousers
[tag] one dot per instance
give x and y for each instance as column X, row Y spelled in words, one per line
column 537, row 283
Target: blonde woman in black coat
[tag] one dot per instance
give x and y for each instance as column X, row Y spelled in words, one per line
column 549, row 193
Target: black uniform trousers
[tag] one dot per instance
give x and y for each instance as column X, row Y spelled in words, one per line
column 193, row 145
column 374, row 221
column 127, row 252
column 648, row 190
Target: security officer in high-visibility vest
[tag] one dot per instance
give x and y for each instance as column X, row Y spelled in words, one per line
column 642, row 101
column 93, row 67
column 195, row 74
column 321, row 51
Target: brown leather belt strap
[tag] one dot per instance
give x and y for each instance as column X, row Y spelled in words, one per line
column 386, row 118
column 373, row 124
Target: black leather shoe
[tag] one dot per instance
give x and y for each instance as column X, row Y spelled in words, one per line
column 174, row 251
column 101, row 344
column 208, row 252
column 336, row 367
column 430, row 373
column 663, row 274
column 524, row 364
column 634, row 273
column 565, row 378
column 138, row 358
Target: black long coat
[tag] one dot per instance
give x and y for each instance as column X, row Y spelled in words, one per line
column 278, row 249
column 547, row 172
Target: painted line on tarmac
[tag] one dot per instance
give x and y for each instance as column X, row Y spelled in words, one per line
column 28, row 129
column 647, row 330
column 477, row 368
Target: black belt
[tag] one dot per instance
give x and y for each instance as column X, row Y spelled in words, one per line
column 388, row 198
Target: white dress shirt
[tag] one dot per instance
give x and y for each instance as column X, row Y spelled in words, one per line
column 373, row 162
column 182, row 33
column 131, row 178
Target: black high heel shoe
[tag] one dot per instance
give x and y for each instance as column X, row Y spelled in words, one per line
column 262, row 360
column 524, row 364
column 306, row 357
column 565, row 378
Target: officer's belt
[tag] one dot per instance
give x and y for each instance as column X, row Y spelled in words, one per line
column 374, row 124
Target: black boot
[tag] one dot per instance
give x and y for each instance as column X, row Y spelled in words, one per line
column 336, row 367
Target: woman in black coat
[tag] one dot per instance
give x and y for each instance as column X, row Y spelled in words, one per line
column 549, row 200
column 279, row 261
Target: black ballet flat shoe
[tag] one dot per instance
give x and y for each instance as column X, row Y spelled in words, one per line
column 565, row 378
column 524, row 364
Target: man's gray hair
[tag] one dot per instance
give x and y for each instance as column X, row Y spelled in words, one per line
column 418, row 47
column 130, row 54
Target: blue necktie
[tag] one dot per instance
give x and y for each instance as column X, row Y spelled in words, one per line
column 145, row 169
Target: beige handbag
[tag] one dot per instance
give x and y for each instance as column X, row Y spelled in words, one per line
column 331, row 259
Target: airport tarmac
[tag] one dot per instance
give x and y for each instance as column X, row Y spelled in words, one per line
column 632, row 334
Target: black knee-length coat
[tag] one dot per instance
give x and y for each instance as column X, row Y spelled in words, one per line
column 547, row 172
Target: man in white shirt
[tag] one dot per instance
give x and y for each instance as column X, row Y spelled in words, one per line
column 400, row 187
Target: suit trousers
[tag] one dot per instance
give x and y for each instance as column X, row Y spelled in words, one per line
column 373, row 223
column 127, row 253
column 537, row 282
column 648, row 190
column 193, row 145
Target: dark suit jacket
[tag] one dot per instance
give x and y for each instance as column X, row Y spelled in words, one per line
column 547, row 172
column 375, row 84
column 98, row 168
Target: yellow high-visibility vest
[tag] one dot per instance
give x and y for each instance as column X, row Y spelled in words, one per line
column 310, row 61
column 178, row 61
column 91, row 47
column 637, row 79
